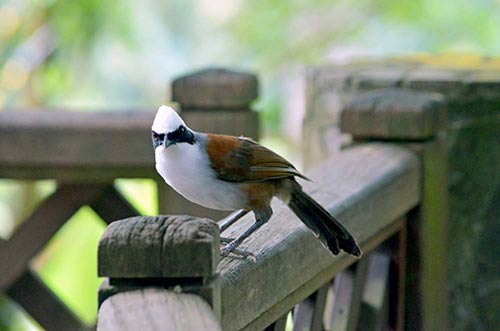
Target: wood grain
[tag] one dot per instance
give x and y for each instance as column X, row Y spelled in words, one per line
column 367, row 187
column 215, row 88
column 156, row 309
column 159, row 247
column 394, row 114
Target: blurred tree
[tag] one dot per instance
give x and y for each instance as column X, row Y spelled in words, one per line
column 121, row 54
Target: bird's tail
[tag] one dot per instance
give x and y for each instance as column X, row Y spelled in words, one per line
column 329, row 231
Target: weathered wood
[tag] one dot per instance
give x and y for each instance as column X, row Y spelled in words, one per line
column 374, row 310
column 175, row 247
column 215, row 89
column 111, row 205
column 95, row 147
column 156, row 309
column 308, row 314
column 42, row 304
column 347, row 293
column 399, row 299
column 279, row 325
column 394, row 114
column 369, row 184
column 37, row 230
column 427, row 274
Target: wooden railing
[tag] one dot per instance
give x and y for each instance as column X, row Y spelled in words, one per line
column 423, row 165
column 85, row 153
column 151, row 263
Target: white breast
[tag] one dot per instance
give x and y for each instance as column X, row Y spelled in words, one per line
column 186, row 168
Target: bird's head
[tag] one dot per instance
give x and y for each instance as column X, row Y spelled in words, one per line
column 169, row 129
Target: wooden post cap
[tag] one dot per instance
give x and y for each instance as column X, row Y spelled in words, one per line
column 394, row 113
column 159, row 247
column 216, row 89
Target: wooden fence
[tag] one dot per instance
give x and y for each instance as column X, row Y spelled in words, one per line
column 418, row 186
column 85, row 153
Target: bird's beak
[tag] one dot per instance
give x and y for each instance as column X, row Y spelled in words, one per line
column 168, row 142
column 162, row 142
column 165, row 142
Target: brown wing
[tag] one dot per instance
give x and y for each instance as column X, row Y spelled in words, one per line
column 243, row 160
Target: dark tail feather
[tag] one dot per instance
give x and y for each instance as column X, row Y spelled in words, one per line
column 329, row 231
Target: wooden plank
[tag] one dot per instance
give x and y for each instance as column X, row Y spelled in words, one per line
column 426, row 293
column 400, row 260
column 42, row 304
column 159, row 247
column 348, row 290
column 156, row 309
column 308, row 314
column 37, row 230
column 111, row 205
column 374, row 310
column 48, row 143
column 215, row 88
column 279, row 325
column 368, row 184
column 394, row 113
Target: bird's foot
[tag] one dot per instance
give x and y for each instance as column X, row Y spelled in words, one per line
column 225, row 240
column 230, row 250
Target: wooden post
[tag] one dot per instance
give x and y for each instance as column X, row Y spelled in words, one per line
column 215, row 101
column 158, row 260
column 416, row 119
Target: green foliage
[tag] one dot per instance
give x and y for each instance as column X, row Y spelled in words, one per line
column 110, row 53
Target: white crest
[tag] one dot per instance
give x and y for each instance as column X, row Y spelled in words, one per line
column 166, row 120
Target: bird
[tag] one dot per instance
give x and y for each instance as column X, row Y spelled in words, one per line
column 238, row 174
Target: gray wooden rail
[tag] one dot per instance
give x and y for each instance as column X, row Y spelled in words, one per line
column 85, row 153
column 151, row 263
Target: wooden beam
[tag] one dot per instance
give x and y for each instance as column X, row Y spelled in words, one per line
column 371, row 184
column 394, row 113
column 308, row 314
column 42, row 304
column 159, row 247
column 111, row 205
column 374, row 310
column 176, row 252
column 347, row 293
column 156, row 309
column 75, row 146
column 279, row 325
column 37, row 230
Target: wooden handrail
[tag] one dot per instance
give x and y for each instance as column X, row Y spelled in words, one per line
column 369, row 187
column 95, row 147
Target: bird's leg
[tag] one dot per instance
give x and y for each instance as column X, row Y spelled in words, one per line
column 231, row 219
column 225, row 240
column 262, row 216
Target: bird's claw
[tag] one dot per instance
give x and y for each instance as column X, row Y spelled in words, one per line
column 225, row 240
column 236, row 253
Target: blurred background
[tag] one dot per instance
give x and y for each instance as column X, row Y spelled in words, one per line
column 92, row 55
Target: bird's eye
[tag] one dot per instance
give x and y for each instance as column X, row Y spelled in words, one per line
column 182, row 130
